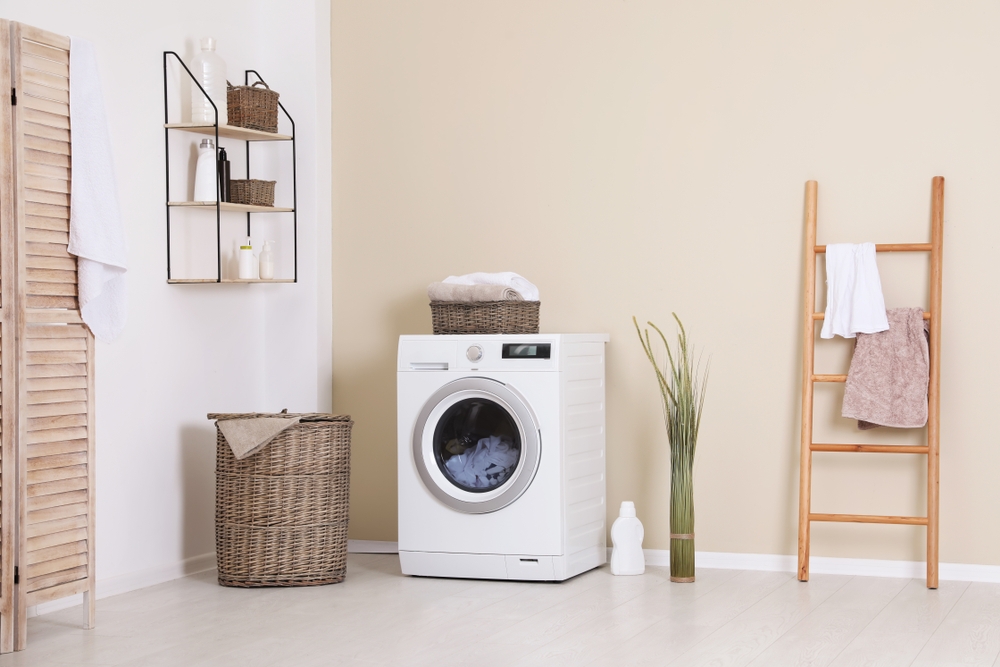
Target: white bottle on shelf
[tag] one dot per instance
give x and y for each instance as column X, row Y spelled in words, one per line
column 206, row 175
column 246, row 261
column 266, row 261
column 626, row 536
column 209, row 69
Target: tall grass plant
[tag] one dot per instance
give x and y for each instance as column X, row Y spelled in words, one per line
column 682, row 382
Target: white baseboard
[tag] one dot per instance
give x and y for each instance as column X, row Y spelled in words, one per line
column 125, row 583
column 862, row 567
column 717, row 560
column 372, row 547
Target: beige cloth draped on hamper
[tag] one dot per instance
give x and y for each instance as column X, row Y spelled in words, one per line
column 246, row 437
column 890, row 370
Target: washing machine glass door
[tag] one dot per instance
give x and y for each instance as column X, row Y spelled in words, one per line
column 476, row 445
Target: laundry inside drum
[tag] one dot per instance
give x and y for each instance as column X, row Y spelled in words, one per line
column 477, row 444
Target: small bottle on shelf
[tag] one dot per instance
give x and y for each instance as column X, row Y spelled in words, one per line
column 224, row 178
column 205, row 173
column 246, row 261
column 266, row 260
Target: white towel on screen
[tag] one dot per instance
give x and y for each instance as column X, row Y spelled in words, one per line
column 96, row 232
column 854, row 302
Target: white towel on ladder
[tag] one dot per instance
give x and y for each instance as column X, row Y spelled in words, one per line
column 96, row 231
column 854, row 302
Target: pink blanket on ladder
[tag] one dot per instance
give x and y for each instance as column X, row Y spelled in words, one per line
column 887, row 382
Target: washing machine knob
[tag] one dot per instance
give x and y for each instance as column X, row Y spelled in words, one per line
column 474, row 353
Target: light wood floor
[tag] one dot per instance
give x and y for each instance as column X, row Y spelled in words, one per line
column 379, row 617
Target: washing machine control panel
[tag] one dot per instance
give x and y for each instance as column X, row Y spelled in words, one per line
column 520, row 354
column 483, row 354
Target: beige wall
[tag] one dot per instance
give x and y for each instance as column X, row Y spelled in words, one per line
column 638, row 158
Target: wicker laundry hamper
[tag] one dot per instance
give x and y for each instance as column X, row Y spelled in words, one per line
column 281, row 514
column 485, row 317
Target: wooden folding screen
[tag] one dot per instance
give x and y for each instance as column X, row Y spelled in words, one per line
column 8, row 385
column 809, row 377
column 47, row 360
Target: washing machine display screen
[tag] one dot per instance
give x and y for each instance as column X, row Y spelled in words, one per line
column 519, row 351
column 477, row 445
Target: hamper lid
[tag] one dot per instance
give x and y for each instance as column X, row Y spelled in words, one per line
column 303, row 416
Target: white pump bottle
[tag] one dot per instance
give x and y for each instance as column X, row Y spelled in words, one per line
column 626, row 536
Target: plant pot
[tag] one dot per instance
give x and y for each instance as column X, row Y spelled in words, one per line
column 681, row 521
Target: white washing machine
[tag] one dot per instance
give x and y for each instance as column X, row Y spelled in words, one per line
column 501, row 455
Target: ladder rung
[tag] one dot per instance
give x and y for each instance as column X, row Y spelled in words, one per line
column 822, row 316
column 829, row 378
column 868, row 518
column 892, row 247
column 873, row 449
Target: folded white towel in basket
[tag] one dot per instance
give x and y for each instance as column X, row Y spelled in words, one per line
column 471, row 293
column 505, row 278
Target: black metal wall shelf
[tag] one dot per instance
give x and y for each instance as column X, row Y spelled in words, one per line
column 230, row 132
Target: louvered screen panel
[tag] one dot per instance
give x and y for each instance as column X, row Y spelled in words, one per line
column 56, row 444
column 55, row 359
column 8, row 363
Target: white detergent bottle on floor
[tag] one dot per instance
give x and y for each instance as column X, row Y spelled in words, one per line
column 209, row 69
column 626, row 536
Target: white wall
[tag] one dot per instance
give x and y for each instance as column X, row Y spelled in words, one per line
column 190, row 350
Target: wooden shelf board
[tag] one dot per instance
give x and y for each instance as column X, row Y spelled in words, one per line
column 209, row 281
column 229, row 131
column 229, row 207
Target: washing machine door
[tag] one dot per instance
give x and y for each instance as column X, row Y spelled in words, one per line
column 476, row 445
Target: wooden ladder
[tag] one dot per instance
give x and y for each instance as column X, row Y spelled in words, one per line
column 809, row 377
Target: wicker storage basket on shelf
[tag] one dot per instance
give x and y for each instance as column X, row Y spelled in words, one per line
column 485, row 317
column 281, row 514
column 252, row 107
column 253, row 192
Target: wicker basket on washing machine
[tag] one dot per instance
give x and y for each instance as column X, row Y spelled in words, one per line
column 485, row 317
